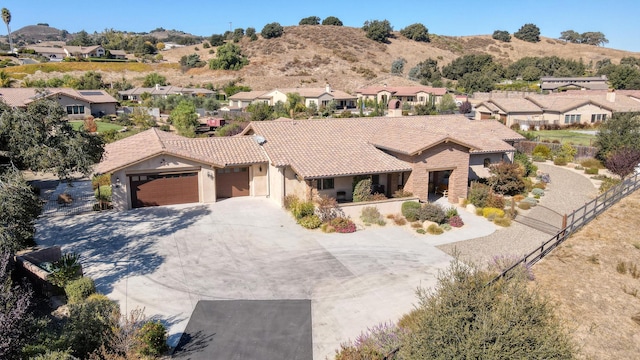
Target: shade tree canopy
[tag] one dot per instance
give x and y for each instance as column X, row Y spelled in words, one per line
column 311, row 20
column 378, row 30
column 416, row 32
column 528, row 32
column 332, row 20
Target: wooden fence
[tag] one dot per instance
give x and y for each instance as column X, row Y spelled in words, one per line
column 577, row 220
column 581, row 151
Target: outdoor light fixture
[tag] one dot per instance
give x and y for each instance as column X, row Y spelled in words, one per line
column 260, row 168
column 117, row 182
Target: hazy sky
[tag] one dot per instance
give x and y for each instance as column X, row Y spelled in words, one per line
column 617, row 19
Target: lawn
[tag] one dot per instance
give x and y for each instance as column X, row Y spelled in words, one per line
column 102, row 126
column 564, row 136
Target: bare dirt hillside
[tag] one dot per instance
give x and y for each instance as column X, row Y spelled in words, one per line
column 594, row 280
column 311, row 56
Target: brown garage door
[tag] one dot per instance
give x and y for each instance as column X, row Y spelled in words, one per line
column 231, row 182
column 164, row 189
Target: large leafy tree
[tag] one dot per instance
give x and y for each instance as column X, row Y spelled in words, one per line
column 229, row 57
column 185, row 118
column 332, row 20
column 378, row 30
column 467, row 64
column 272, row 30
column 154, row 79
column 417, row 32
column 501, row 35
column 19, row 207
column 14, row 309
column 528, row 32
column 620, row 132
column 260, row 111
column 311, row 20
column 622, row 76
column 623, row 162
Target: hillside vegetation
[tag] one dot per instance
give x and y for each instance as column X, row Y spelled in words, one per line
column 344, row 57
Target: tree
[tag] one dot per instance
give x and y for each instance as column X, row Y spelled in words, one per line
column 570, row 36
column 332, row 20
column 531, row 73
column 6, row 80
column 416, row 32
column 90, row 80
column 154, row 79
column 216, row 40
column 185, row 118
column 238, row 34
column 620, row 132
column 477, row 81
column 229, row 57
column 41, row 139
column 506, row 178
column 623, row 162
column 272, row 30
column 82, row 38
column 397, row 66
column 593, row 38
column 377, row 30
column 14, row 310
column 465, row 107
column 426, row 71
column 625, row 77
column 467, row 64
column 295, row 104
column 191, row 61
column 466, row 317
column 311, row 20
column 251, row 34
column 447, row 104
column 259, row 111
column 91, row 323
column 6, row 17
column 501, row 35
column 528, row 32
column 19, row 208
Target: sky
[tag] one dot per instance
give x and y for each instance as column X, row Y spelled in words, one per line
column 617, row 19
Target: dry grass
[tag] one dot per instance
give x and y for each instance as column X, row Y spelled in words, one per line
column 594, row 296
column 341, row 56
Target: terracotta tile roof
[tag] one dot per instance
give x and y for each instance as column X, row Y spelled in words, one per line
column 341, row 95
column 217, row 152
column 165, row 90
column 247, row 95
column 341, row 147
column 515, row 105
column 81, row 49
column 402, row 90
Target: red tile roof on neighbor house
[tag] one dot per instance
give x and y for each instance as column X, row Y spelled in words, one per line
column 21, row 97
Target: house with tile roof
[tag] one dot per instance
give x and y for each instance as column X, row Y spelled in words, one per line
column 320, row 96
column 562, row 109
column 161, row 91
column 413, row 95
column 551, row 83
column 77, row 103
column 420, row 154
column 59, row 53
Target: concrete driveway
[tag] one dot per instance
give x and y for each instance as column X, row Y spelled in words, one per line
column 166, row 259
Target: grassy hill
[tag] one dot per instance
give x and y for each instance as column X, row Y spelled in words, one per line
column 345, row 58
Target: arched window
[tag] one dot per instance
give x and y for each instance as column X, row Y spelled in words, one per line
column 487, row 162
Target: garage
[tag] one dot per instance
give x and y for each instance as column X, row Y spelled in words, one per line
column 164, row 189
column 232, row 182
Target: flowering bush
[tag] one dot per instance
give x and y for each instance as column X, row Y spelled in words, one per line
column 343, row 225
column 456, row 221
column 375, row 343
column 310, row 221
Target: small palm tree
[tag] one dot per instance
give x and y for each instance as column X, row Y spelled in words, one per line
column 6, row 80
column 6, row 17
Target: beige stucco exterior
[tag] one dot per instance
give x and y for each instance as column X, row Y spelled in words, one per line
column 477, row 167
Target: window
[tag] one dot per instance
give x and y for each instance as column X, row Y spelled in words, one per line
column 325, row 184
column 598, row 117
column 69, row 110
column 421, row 99
column 572, row 118
column 487, row 162
column 75, row 109
column 410, row 98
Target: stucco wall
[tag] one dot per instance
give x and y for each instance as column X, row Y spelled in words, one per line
column 445, row 156
column 258, row 180
column 294, row 186
column 276, row 184
column 476, row 165
column 107, row 109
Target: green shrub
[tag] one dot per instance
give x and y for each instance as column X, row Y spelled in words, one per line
column 566, row 151
column 591, row 171
column 478, row 194
column 302, row 208
column 327, row 228
column 410, row 210
column 153, row 337
column 434, row 229
column 529, row 169
column 402, row 193
column 538, row 158
column 421, row 231
column 506, row 178
column 79, row 289
column 55, row 355
column 310, row 221
column 362, row 190
column 560, row 160
column 537, row 192
column 101, row 180
column 524, row 205
column 539, row 185
column 608, row 183
column 542, row 151
column 371, row 215
column 66, row 269
column 591, row 163
column 492, row 213
column 578, row 167
column 451, row 212
column 91, row 323
column 502, row 221
column 445, row 227
column 431, row 212
column 103, row 193
column 531, row 201
column 343, row 225
column 528, row 184
column 479, row 211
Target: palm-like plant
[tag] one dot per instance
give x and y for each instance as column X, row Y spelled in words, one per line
column 6, row 17
column 6, row 80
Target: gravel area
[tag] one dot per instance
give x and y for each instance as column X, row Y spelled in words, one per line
column 567, row 191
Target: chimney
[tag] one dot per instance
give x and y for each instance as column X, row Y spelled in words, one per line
column 327, row 88
column 157, row 86
column 611, row 95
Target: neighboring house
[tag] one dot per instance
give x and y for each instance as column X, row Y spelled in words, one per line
column 59, row 53
column 413, row 95
column 160, row 91
column 319, row 96
column 118, row 54
column 571, row 107
column 77, row 103
column 550, row 83
column 421, row 154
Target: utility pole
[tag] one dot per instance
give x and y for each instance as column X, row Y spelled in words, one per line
column 230, row 25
